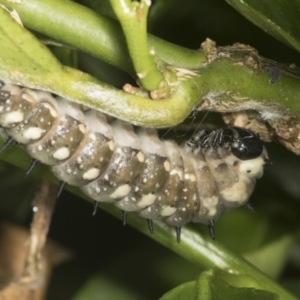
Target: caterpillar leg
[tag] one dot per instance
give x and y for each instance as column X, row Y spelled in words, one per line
column 124, row 217
column 33, row 164
column 211, row 228
column 61, row 188
column 150, row 225
column 96, row 206
column 8, row 142
column 178, row 234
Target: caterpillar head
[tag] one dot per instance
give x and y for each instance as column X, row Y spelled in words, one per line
column 244, row 144
column 248, row 148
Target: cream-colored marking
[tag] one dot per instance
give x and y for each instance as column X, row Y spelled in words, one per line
column 178, row 172
column 51, row 109
column 13, row 117
column 52, row 142
column 255, row 166
column 111, row 145
column 210, row 201
column 186, row 176
column 167, row 211
column 97, row 189
column 140, row 157
column 33, row 133
column 1, row 108
column 136, row 189
column 238, row 193
column 91, row 174
column 81, row 128
column 27, row 98
column 62, row 153
column 79, row 160
column 92, row 136
column 192, row 177
column 121, row 191
column 212, row 211
column 167, row 166
column 40, row 147
column 146, row 200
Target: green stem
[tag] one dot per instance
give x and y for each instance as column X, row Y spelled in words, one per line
column 100, row 36
column 133, row 18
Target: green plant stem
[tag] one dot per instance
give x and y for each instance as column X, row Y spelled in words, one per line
column 198, row 248
column 95, row 34
column 222, row 84
column 133, row 18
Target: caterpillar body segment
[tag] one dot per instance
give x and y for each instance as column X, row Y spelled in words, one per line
column 213, row 172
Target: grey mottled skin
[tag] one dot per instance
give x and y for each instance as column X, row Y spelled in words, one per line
column 136, row 171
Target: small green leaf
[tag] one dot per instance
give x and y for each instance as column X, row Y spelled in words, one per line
column 279, row 18
column 184, row 291
column 218, row 285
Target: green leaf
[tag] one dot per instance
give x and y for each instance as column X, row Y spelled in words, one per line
column 272, row 257
column 217, row 285
column 259, row 239
column 279, row 18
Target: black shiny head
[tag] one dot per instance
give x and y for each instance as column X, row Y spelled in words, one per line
column 244, row 143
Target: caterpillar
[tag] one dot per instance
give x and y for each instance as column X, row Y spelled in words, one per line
column 213, row 172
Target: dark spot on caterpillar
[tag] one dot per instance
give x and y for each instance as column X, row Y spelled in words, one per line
column 132, row 168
